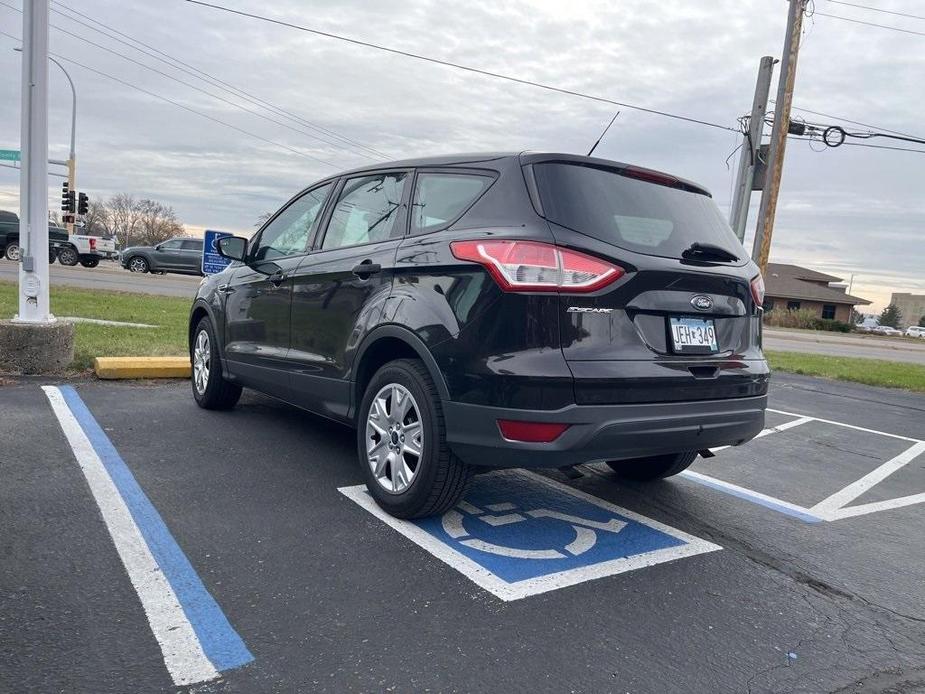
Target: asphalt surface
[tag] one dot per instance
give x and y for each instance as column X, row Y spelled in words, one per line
column 110, row 276
column 845, row 345
column 329, row 598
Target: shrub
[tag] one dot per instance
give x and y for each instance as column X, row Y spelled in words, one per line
column 801, row 318
column 832, row 325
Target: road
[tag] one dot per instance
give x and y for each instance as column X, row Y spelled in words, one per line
column 111, row 276
column 845, row 345
column 255, row 518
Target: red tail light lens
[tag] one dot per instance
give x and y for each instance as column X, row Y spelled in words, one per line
column 532, row 266
column 757, row 285
column 531, row 432
column 92, row 244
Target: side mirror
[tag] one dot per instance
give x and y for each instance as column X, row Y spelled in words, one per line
column 232, row 247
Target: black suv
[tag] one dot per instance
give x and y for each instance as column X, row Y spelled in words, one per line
column 499, row 310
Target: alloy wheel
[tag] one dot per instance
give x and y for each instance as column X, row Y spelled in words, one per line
column 12, row 252
column 137, row 265
column 202, row 361
column 394, row 438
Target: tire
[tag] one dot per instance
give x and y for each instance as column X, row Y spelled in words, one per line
column 68, row 256
column 89, row 262
column 653, row 468
column 438, row 478
column 12, row 252
column 137, row 264
column 52, row 255
column 210, row 389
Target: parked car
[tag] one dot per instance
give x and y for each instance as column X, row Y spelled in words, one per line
column 9, row 237
column 915, row 331
column 868, row 325
column 485, row 311
column 180, row 254
column 887, row 330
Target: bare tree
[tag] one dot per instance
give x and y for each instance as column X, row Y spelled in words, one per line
column 262, row 219
column 157, row 222
column 97, row 221
column 123, row 218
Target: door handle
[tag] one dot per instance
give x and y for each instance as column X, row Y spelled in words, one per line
column 225, row 289
column 366, row 268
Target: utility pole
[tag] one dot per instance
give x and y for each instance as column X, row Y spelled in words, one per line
column 788, row 72
column 751, row 142
column 33, row 180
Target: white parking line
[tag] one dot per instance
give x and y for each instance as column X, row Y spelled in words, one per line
column 841, row 498
column 183, row 654
column 833, row 507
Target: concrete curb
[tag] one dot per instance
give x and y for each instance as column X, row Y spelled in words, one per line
column 142, row 367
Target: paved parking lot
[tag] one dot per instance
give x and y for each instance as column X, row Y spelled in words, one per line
column 147, row 545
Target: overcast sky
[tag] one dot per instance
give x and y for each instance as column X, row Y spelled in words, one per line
column 850, row 210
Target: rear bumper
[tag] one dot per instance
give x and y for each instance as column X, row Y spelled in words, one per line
column 603, row 432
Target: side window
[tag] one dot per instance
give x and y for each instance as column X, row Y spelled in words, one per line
column 441, row 197
column 171, row 245
column 191, row 245
column 366, row 211
column 288, row 234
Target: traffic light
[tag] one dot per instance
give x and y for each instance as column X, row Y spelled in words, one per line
column 83, row 203
column 68, row 198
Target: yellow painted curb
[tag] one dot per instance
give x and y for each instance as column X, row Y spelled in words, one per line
column 142, row 367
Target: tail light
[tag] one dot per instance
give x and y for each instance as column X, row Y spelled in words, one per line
column 757, row 285
column 533, row 266
column 531, row 432
column 92, row 244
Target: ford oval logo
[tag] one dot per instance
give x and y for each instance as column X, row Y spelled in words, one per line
column 702, row 302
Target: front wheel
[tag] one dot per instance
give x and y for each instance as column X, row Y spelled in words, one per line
column 68, row 256
column 210, row 389
column 89, row 262
column 401, row 442
column 52, row 255
column 655, row 467
column 13, row 252
column 138, row 264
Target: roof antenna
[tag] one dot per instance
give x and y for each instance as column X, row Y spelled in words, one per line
column 591, row 151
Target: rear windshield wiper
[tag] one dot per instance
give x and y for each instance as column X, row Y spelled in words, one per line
column 707, row 251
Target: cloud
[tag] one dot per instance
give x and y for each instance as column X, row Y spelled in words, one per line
column 852, row 209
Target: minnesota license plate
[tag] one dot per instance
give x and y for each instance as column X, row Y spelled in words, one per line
column 693, row 335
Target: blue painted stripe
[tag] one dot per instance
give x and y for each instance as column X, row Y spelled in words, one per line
column 220, row 642
column 755, row 499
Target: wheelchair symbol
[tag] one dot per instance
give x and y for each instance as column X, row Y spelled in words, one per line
column 505, row 514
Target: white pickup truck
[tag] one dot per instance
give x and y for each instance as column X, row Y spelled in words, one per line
column 86, row 250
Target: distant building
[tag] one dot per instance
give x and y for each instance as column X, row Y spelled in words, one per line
column 791, row 287
column 911, row 306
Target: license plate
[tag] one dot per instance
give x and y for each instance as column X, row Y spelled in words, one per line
column 693, row 335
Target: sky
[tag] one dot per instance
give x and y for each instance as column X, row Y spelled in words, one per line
column 847, row 211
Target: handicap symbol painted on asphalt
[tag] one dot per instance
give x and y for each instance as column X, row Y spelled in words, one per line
column 518, row 534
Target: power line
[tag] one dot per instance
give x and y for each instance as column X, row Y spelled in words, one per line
column 857, row 144
column 201, row 74
column 846, row 19
column 187, row 84
column 179, row 105
column 459, row 66
column 877, row 9
column 853, row 122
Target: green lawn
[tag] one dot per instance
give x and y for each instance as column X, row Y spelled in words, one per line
column 170, row 314
column 872, row 372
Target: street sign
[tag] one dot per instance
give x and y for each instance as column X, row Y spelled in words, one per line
column 212, row 262
column 9, row 155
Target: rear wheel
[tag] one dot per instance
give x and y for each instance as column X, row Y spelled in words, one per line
column 89, row 261
column 653, row 468
column 137, row 264
column 210, row 389
column 68, row 256
column 401, row 442
column 12, row 252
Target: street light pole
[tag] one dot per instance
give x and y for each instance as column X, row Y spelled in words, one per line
column 72, row 153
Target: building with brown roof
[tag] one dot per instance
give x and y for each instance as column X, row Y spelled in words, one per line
column 791, row 287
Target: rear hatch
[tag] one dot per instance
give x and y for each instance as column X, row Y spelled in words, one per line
column 682, row 323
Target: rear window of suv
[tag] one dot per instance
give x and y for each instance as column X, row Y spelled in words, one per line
column 633, row 214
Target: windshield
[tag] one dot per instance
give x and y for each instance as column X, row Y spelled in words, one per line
column 634, row 214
